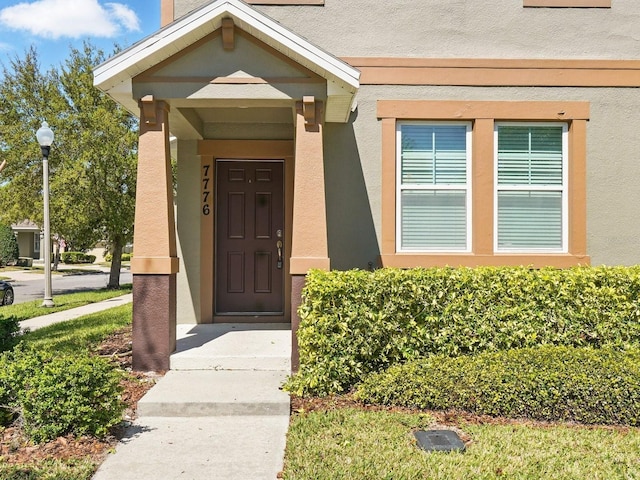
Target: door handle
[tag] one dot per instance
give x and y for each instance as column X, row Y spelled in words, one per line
column 279, row 247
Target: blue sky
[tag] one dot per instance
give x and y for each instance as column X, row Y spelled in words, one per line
column 53, row 25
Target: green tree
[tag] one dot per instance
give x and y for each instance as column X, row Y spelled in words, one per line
column 8, row 245
column 27, row 96
column 93, row 159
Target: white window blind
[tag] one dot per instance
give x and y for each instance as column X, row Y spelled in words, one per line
column 531, row 187
column 433, row 191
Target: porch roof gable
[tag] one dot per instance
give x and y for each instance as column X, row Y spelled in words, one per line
column 115, row 75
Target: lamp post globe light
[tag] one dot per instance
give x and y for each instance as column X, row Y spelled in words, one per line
column 45, row 139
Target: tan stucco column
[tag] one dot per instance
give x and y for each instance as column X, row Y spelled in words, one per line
column 309, row 245
column 155, row 263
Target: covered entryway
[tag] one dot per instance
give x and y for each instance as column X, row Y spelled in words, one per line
column 238, row 92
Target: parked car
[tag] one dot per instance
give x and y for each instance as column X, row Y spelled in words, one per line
column 6, row 293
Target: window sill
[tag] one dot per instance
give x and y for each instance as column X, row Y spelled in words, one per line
column 409, row 260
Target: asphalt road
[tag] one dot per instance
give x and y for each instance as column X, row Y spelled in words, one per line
column 30, row 286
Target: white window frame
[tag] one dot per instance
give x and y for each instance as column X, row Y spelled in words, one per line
column 400, row 187
column 534, row 188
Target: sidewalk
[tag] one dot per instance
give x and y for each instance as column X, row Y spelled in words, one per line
column 21, row 275
column 218, row 414
column 57, row 317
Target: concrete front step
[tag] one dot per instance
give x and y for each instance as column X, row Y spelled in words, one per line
column 207, row 393
column 233, row 347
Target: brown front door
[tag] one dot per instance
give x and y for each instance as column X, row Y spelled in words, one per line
column 249, row 259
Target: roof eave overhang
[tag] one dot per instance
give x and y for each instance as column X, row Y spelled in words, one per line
column 115, row 75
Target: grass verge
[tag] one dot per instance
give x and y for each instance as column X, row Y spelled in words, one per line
column 27, row 310
column 51, row 470
column 81, row 333
column 352, row 444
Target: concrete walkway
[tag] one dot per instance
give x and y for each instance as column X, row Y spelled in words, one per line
column 218, row 414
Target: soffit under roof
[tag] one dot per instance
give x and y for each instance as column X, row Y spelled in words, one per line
column 115, row 75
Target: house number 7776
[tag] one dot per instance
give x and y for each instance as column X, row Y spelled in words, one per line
column 206, row 209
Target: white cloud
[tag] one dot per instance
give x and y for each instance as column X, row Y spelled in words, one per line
column 123, row 14
column 70, row 18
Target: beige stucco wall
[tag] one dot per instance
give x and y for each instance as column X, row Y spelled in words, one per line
column 613, row 171
column 446, row 29
column 459, row 28
column 248, row 59
column 25, row 244
column 353, row 177
column 188, row 232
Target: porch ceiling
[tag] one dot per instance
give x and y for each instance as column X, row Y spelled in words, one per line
column 196, row 120
column 115, row 76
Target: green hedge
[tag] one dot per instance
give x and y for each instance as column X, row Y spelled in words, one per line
column 76, row 257
column 357, row 322
column 9, row 251
column 9, row 330
column 125, row 257
column 547, row 383
column 57, row 394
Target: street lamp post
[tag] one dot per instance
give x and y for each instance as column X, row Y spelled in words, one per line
column 45, row 139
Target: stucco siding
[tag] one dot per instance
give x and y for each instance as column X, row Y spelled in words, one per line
column 459, row 28
column 612, row 167
column 246, row 59
column 188, row 233
column 253, row 131
column 25, row 244
column 353, row 171
column 450, row 29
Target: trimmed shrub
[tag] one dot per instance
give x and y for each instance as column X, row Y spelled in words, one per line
column 9, row 329
column 76, row 257
column 357, row 322
column 7, row 413
column 593, row 386
column 60, row 394
column 8, row 245
column 125, row 257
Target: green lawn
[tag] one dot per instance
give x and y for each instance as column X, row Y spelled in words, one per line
column 50, row 470
column 81, row 333
column 27, row 310
column 354, row 444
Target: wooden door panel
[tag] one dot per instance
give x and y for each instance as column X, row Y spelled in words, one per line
column 263, row 217
column 249, row 224
column 236, row 175
column 263, row 266
column 236, row 213
column 235, row 272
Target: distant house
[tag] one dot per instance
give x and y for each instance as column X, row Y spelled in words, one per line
column 101, row 250
column 28, row 235
column 333, row 134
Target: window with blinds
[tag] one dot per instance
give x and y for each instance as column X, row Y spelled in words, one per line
column 531, row 199
column 433, row 186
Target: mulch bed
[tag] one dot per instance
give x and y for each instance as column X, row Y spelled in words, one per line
column 449, row 418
